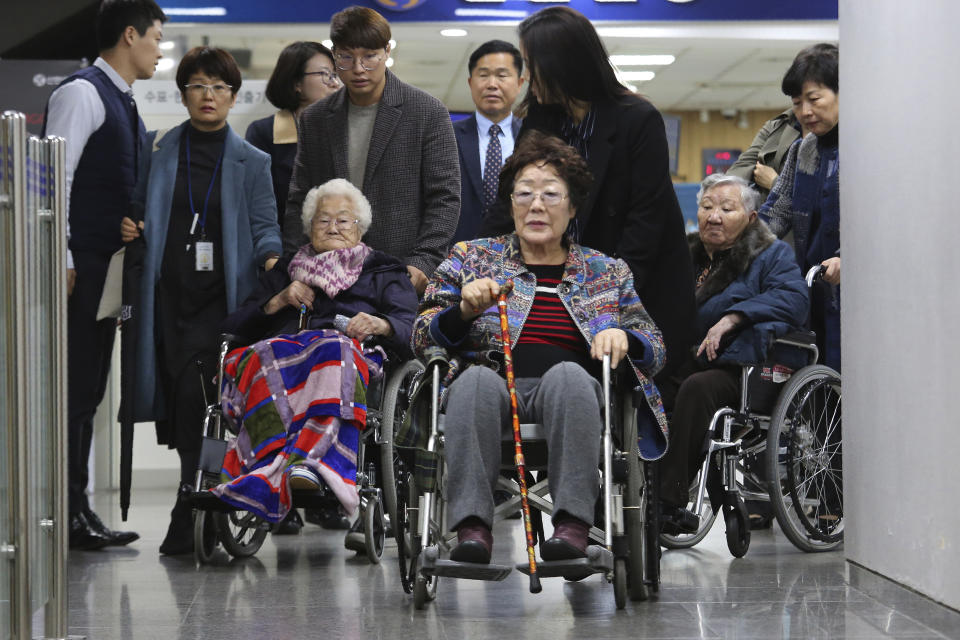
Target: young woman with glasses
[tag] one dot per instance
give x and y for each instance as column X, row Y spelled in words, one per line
column 304, row 74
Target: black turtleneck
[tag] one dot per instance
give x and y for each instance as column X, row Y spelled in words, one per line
column 191, row 304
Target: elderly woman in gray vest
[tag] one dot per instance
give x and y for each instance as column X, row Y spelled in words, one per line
column 209, row 223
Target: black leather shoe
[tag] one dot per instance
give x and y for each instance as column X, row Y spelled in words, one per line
column 289, row 526
column 179, row 538
column 675, row 521
column 117, row 538
column 328, row 518
column 83, row 536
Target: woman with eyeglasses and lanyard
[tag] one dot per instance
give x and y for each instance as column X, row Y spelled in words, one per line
column 303, row 75
column 205, row 207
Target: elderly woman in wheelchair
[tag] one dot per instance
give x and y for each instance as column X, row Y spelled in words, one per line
column 569, row 306
column 299, row 399
column 749, row 291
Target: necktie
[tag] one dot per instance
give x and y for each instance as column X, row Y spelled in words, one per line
column 491, row 167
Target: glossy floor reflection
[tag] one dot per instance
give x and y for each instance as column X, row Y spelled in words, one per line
column 309, row 586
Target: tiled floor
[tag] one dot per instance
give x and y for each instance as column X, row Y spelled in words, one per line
column 308, row 586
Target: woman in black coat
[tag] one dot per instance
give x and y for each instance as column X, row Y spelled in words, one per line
column 632, row 211
column 303, row 75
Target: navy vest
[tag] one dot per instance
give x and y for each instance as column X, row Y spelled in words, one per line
column 107, row 171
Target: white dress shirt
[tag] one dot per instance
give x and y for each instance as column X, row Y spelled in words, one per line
column 506, row 138
column 74, row 112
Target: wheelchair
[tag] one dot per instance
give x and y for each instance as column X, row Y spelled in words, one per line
column 627, row 553
column 242, row 533
column 783, row 444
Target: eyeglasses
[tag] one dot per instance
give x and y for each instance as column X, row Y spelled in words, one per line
column 369, row 62
column 525, row 197
column 218, row 89
column 342, row 224
column 327, row 77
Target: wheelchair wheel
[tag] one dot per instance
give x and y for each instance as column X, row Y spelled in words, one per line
column 241, row 532
column 737, row 521
column 804, row 459
column 707, row 518
column 651, row 529
column 204, row 536
column 395, row 404
column 404, row 527
column 634, row 515
column 620, row 582
column 425, row 586
column 374, row 529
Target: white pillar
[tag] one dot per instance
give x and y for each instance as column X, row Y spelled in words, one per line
column 900, row 226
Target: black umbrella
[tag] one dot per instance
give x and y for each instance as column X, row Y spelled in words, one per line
column 129, row 321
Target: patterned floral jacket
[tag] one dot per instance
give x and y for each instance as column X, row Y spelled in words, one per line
column 596, row 290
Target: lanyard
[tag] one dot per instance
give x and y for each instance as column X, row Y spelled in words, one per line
column 206, row 201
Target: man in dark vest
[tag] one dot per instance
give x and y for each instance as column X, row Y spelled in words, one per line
column 95, row 111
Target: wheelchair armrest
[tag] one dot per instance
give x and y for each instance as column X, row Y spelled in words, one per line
column 435, row 356
column 798, row 338
column 230, row 338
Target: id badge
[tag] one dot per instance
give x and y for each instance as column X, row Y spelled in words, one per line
column 204, row 256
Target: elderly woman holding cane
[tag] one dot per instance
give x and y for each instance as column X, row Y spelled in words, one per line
column 308, row 432
column 569, row 306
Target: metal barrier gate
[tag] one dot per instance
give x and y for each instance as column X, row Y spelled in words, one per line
column 33, row 391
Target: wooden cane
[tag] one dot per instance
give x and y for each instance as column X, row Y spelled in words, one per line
column 505, row 289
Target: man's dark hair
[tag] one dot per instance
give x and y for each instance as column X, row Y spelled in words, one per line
column 819, row 63
column 566, row 58
column 495, row 46
column 115, row 16
column 289, row 71
column 211, row 61
column 359, row 27
column 538, row 148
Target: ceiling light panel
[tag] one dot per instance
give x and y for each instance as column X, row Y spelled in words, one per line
column 641, row 60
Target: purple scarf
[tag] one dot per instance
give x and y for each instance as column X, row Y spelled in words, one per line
column 331, row 271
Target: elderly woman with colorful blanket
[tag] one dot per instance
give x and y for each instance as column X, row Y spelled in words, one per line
column 299, row 399
column 569, row 306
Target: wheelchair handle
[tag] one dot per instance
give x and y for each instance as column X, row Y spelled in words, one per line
column 815, row 273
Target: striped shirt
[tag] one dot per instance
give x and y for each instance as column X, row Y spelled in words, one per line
column 549, row 335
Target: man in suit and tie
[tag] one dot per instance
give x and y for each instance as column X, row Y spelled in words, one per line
column 391, row 140
column 485, row 139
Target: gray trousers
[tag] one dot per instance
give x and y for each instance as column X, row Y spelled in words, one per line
column 566, row 400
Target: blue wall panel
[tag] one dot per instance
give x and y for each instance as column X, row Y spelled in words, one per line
column 247, row 11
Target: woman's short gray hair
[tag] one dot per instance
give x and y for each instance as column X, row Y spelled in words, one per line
column 749, row 197
column 337, row 187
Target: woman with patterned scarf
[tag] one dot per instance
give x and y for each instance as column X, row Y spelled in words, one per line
column 309, row 431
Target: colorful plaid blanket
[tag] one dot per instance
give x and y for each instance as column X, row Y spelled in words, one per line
column 295, row 400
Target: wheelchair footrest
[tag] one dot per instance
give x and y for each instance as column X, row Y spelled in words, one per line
column 431, row 564
column 599, row 560
column 207, row 501
column 313, row 498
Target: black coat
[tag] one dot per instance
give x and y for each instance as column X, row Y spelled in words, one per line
column 632, row 212
column 282, row 152
column 383, row 290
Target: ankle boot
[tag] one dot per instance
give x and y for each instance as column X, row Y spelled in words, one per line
column 179, row 538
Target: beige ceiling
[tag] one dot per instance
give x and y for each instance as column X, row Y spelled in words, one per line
column 718, row 65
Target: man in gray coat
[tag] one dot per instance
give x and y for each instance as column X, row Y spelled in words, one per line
column 391, row 140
